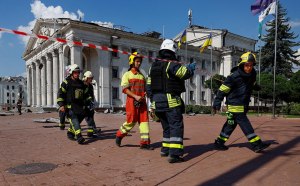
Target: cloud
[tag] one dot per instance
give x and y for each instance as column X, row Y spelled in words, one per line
column 105, row 24
column 40, row 10
column 0, row 35
column 294, row 24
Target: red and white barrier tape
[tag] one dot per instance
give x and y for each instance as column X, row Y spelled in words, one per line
column 77, row 43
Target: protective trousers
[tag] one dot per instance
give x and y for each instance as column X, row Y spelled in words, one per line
column 241, row 119
column 90, row 121
column 75, row 120
column 136, row 115
column 62, row 118
column 173, row 128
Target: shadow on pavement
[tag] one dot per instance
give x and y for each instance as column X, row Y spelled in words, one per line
column 233, row 176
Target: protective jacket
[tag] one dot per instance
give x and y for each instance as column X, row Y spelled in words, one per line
column 165, row 83
column 237, row 88
column 73, row 95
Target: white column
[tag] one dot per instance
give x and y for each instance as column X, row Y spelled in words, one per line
column 43, row 82
column 49, row 80
column 38, row 83
column 76, row 56
column 33, row 87
column 61, row 64
column 28, row 85
column 55, row 76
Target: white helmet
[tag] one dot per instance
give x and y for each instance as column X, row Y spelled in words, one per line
column 169, row 45
column 73, row 68
column 87, row 74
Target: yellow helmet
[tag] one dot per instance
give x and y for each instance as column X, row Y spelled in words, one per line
column 247, row 57
column 133, row 56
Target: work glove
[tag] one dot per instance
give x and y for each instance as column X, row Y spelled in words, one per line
column 191, row 66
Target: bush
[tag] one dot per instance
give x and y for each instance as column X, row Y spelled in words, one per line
column 198, row 109
column 295, row 109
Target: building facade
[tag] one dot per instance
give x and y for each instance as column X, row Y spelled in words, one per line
column 46, row 60
column 12, row 89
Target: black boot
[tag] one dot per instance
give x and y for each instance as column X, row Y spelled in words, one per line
column 219, row 145
column 80, row 139
column 259, row 146
column 70, row 135
column 118, row 141
column 175, row 159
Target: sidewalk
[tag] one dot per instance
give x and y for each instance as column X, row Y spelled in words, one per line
column 101, row 162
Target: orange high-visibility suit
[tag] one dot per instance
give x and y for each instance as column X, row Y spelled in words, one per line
column 135, row 113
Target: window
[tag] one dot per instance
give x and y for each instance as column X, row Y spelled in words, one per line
column 7, row 87
column 133, row 50
column 213, row 65
column 191, row 60
column 115, row 92
column 7, row 94
column 13, row 95
column 20, row 89
column 203, row 64
column 179, row 58
column 7, row 101
column 115, row 72
column 202, row 80
column 13, row 101
column 192, row 96
column 203, row 95
column 192, row 80
column 150, row 54
column 115, row 54
column 13, row 87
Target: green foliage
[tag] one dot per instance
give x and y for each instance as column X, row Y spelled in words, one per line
column 282, row 88
column 292, row 109
column 216, row 82
column 286, row 57
column 198, row 109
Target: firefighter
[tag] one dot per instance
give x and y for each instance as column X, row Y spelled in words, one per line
column 71, row 99
column 165, row 84
column 237, row 89
column 62, row 115
column 92, row 129
column 133, row 84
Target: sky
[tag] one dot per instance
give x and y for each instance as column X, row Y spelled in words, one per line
column 170, row 16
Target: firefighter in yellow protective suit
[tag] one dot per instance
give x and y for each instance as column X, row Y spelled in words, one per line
column 133, row 84
column 237, row 89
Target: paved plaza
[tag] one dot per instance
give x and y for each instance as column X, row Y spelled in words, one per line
column 100, row 162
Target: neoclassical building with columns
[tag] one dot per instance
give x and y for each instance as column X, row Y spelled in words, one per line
column 46, row 60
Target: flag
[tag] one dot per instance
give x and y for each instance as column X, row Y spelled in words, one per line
column 207, row 43
column 259, row 29
column 182, row 39
column 269, row 10
column 260, row 5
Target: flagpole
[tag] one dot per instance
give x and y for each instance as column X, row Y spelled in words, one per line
column 259, row 63
column 275, row 58
column 211, row 76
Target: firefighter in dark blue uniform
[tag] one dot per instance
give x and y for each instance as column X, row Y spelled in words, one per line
column 165, row 84
column 71, row 99
column 237, row 89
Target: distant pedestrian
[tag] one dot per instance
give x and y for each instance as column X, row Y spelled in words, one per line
column 19, row 106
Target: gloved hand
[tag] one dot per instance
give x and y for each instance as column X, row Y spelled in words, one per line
column 191, row 66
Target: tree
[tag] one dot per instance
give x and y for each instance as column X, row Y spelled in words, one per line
column 216, row 82
column 283, row 90
column 295, row 87
column 285, row 55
